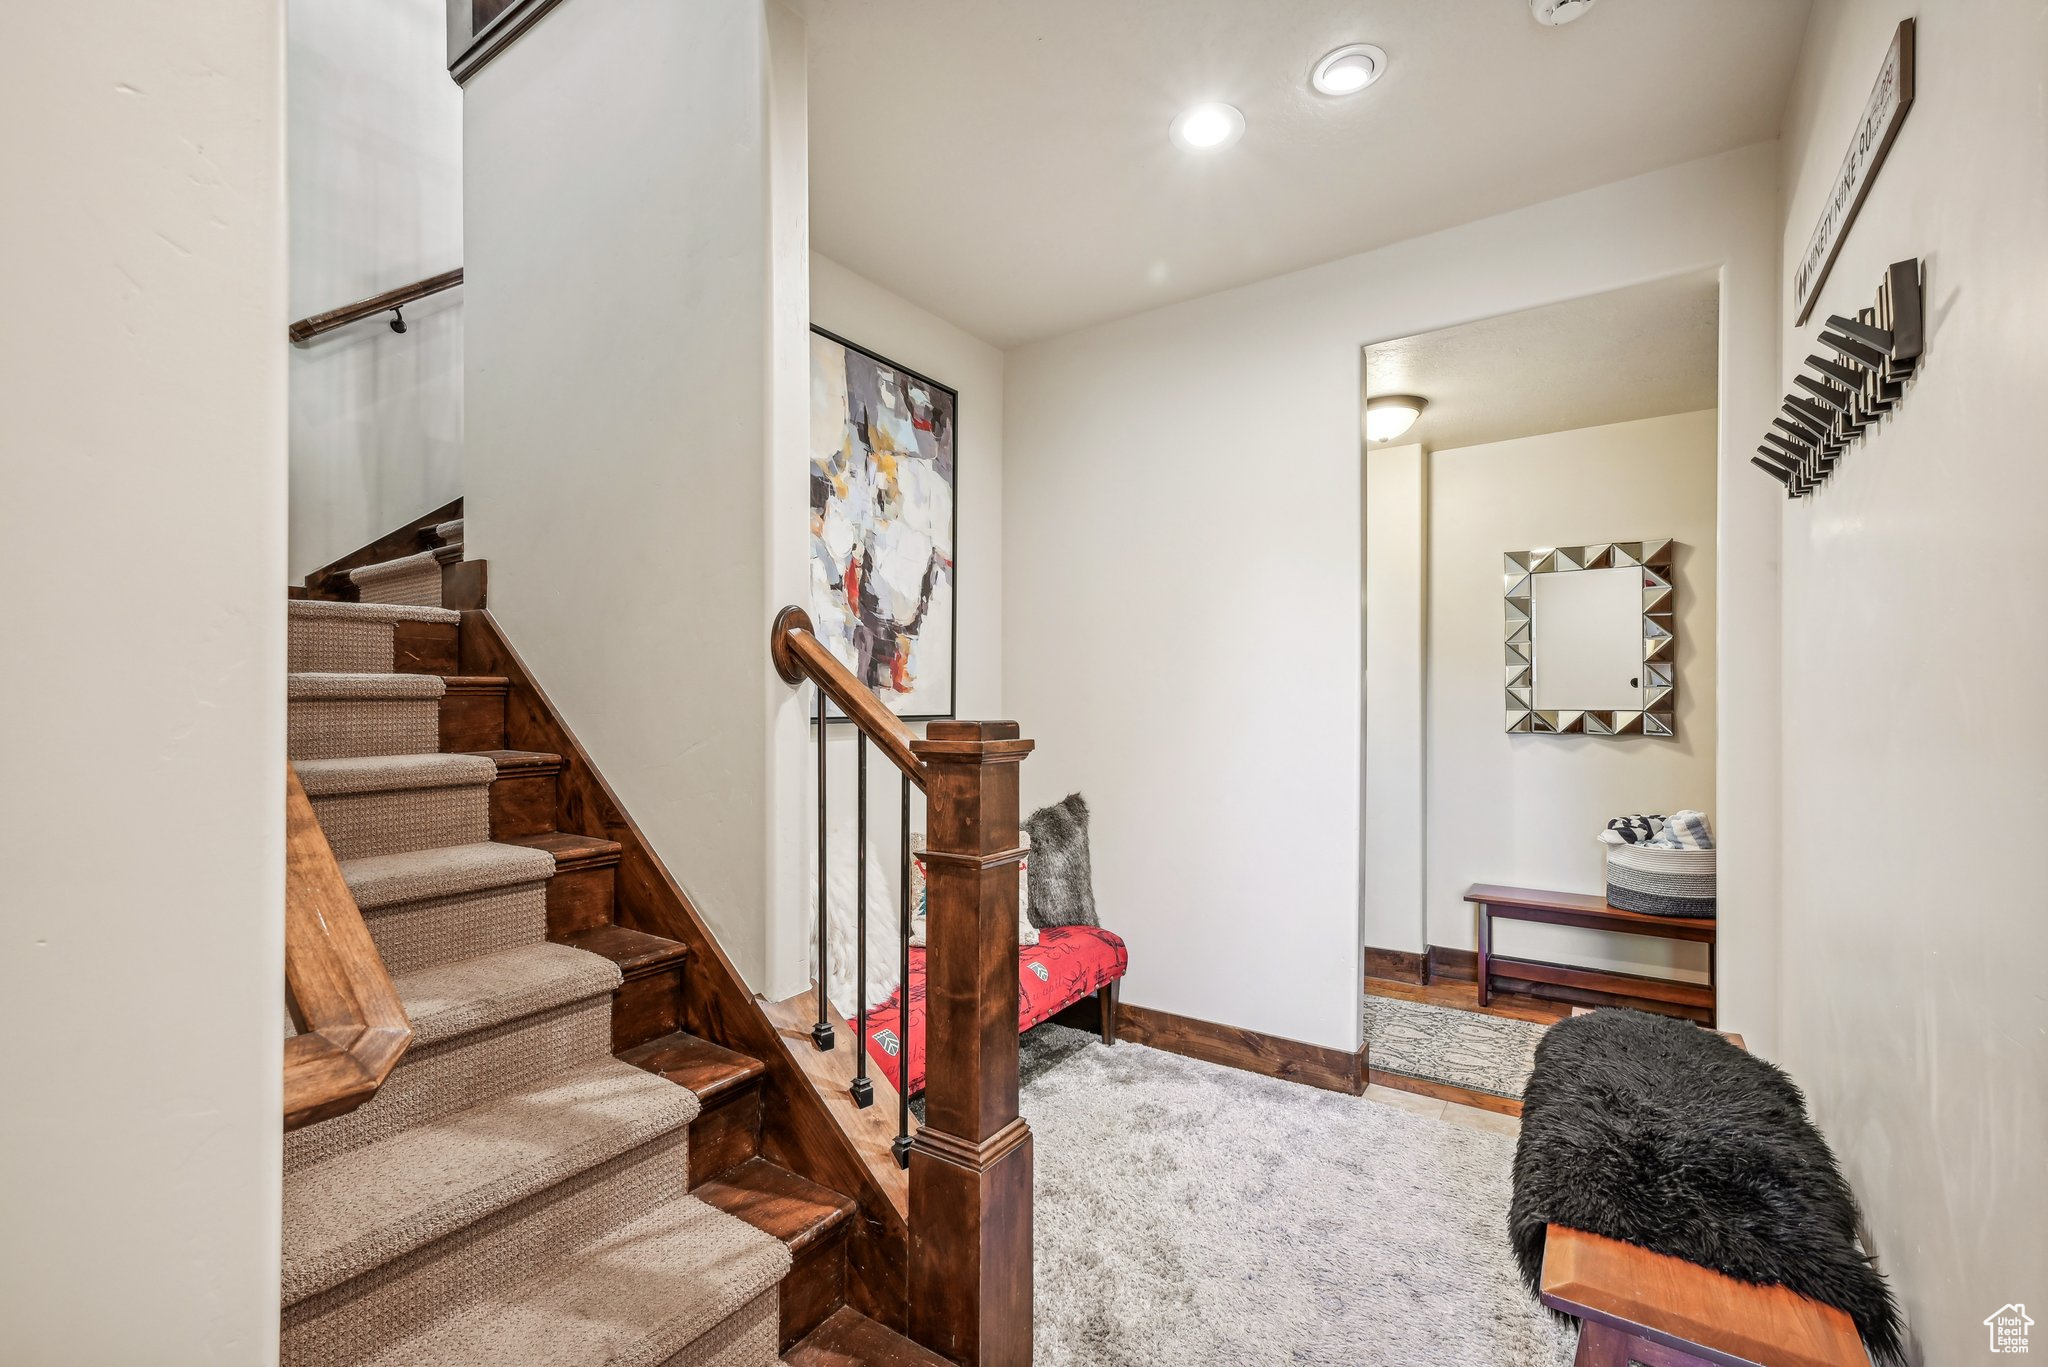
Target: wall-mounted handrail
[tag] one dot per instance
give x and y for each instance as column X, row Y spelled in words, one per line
column 306, row 329
column 799, row 654
column 352, row 1027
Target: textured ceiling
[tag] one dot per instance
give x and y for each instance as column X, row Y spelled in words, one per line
column 1641, row 352
column 1005, row 164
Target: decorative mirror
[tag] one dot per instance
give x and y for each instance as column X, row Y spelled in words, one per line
column 1590, row 640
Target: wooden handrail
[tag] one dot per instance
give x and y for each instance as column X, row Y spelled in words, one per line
column 352, row 1027
column 799, row 654
column 306, row 329
column 970, row 1162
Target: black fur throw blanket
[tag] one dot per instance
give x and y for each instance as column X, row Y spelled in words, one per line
column 1658, row 1133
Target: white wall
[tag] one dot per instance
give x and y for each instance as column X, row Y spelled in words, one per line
column 1181, row 604
column 374, row 148
column 142, row 824
column 861, row 311
column 1524, row 810
column 1914, row 933
column 636, row 387
column 1396, row 550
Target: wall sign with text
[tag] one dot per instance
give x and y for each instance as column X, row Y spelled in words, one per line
column 1889, row 100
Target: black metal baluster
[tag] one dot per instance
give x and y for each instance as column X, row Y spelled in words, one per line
column 901, row 1148
column 863, row 1090
column 821, row 1033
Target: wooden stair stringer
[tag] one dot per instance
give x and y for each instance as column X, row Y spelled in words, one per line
column 871, row 1129
column 799, row 1130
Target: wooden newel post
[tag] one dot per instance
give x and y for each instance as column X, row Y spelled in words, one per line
column 970, row 1165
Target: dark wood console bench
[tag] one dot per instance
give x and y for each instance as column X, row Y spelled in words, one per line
column 1636, row 1306
column 1589, row 986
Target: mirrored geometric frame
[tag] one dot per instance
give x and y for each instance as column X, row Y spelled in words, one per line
column 1660, row 641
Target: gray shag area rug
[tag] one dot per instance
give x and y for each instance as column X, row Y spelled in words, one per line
column 1188, row 1213
column 1442, row 1044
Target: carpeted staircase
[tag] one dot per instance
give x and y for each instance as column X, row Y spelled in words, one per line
column 515, row 1193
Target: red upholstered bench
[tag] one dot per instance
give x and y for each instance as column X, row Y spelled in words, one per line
column 1065, row 967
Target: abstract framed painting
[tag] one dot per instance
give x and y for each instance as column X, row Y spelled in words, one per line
column 884, row 522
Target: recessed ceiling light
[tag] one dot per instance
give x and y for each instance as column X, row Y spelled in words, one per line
column 1552, row 13
column 1348, row 70
column 1389, row 415
column 1208, row 126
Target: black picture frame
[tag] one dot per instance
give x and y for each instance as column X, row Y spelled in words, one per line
column 833, row 713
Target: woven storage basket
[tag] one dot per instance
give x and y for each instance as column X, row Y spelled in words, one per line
column 1660, row 882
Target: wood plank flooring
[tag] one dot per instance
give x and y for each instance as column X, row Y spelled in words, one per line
column 1465, row 997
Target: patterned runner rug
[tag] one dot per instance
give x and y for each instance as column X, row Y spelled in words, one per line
column 1443, row 1044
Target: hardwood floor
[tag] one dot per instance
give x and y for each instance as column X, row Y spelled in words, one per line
column 1465, row 997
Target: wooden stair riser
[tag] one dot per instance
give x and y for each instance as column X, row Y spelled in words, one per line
column 581, row 899
column 812, row 1220
column 647, row 1008
column 814, row 1288
column 583, row 894
column 473, row 715
column 650, row 1003
column 725, row 1134
column 523, row 804
column 426, row 648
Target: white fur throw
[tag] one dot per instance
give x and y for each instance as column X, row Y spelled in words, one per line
column 840, row 929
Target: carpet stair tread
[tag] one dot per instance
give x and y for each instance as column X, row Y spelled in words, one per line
column 634, row 1298
column 392, row 773
column 848, row 1338
column 776, row 1201
column 483, row 1027
column 411, row 579
column 370, row 1205
column 476, row 994
column 384, row 569
column 324, row 609
column 310, row 685
column 384, row 880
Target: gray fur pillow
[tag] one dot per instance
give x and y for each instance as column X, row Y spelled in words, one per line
column 1062, row 888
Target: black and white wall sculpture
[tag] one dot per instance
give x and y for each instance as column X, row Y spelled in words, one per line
column 1840, row 396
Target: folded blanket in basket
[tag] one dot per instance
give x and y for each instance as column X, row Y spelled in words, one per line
column 1686, row 830
column 1632, row 830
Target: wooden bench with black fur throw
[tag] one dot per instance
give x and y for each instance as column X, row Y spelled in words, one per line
column 1672, row 1195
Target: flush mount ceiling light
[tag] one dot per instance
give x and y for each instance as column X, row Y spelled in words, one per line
column 1389, row 415
column 1551, row 13
column 1348, row 70
column 1207, row 127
